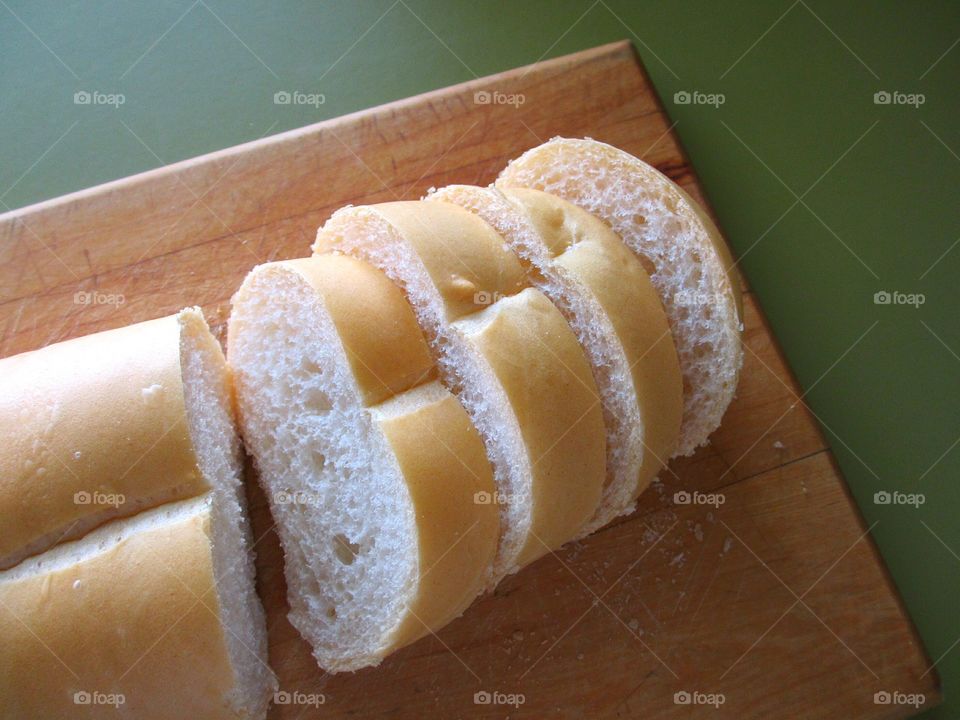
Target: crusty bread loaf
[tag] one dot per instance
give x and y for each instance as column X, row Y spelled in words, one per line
column 132, row 620
column 609, row 302
column 375, row 476
column 100, row 427
column 444, row 392
column 687, row 259
column 156, row 593
column 506, row 352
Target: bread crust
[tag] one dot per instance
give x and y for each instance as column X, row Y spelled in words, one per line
column 524, row 339
column 596, row 258
column 439, row 453
column 386, row 350
column 462, row 254
column 446, row 470
column 540, row 365
column 613, row 173
column 87, row 423
column 138, row 617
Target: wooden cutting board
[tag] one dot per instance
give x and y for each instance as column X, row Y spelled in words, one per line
column 774, row 600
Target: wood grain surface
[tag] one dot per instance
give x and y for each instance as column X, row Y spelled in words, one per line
column 773, row 598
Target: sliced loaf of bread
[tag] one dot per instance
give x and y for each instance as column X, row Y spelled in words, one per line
column 105, row 425
column 687, row 259
column 607, row 298
column 377, row 480
column 132, row 572
column 506, row 352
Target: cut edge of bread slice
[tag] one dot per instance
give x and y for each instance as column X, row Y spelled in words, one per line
column 686, row 257
column 370, row 465
column 209, row 407
column 506, row 353
column 606, row 297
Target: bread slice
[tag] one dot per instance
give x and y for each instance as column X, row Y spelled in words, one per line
column 687, row 259
column 109, row 424
column 143, row 617
column 139, row 416
column 508, row 355
column 372, row 468
column 606, row 296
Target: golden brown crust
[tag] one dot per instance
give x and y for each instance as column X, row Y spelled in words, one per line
column 550, row 386
column 386, row 349
column 596, row 257
column 138, row 618
column 527, row 343
column 92, row 428
column 687, row 259
column 438, row 450
column 450, row 481
column 462, row 254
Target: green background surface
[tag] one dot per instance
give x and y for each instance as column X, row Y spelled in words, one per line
column 877, row 184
